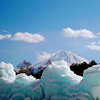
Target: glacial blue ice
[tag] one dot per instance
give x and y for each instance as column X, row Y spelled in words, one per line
column 58, row 82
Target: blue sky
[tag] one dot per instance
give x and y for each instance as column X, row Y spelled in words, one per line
column 33, row 29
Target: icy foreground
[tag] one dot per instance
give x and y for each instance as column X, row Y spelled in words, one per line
column 58, row 82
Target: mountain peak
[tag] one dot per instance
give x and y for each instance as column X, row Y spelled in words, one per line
column 65, row 51
column 68, row 56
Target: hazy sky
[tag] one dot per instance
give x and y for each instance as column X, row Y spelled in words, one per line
column 33, row 29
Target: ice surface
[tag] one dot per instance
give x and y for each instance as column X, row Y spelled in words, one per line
column 7, row 73
column 91, row 81
column 18, row 87
column 24, row 79
column 58, row 82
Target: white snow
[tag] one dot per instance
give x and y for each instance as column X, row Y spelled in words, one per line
column 58, row 82
column 67, row 56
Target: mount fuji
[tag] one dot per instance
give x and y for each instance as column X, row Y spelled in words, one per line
column 67, row 56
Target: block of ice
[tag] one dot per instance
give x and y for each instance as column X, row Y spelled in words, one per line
column 57, row 77
column 91, row 81
column 20, row 87
column 58, row 82
column 24, row 79
column 7, row 73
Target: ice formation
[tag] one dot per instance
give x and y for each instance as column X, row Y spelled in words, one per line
column 59, row 77
column 23, row 79
column 91, row 81
column 58, row 82
column 7, row 73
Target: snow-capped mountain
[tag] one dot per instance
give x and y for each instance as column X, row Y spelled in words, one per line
column 67, row 56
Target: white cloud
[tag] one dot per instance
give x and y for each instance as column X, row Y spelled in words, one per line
column 7, row 36
column 68, row 32
column 93, row 46
column 27, row 37
column 93, row 43
column 5, row 31
column 44, row 56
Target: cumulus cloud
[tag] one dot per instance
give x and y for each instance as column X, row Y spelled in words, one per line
column 44, row 56
column 68, row 32
column 27, row 37
column 5, row 31
column 6, row 36
column 93, row 46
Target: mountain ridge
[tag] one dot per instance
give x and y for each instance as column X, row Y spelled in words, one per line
column 65, row 55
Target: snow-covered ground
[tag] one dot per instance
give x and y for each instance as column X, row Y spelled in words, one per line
column 58, row 82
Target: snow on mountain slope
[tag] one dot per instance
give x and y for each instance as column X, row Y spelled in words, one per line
column 67, row 56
